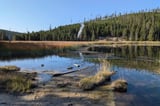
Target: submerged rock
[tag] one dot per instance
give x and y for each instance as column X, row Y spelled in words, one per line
column 119, row 85
column 9, row 68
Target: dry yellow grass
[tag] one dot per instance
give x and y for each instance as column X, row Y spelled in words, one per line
column 91, row 82
column 45, row 43
column 27, row 44
column 102, row 75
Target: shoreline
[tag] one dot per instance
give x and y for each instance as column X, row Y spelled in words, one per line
column 60, row 91
column 79, row 43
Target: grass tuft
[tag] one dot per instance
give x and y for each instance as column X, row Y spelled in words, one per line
column 15, row 82
column 119, row 85
column 101, row 77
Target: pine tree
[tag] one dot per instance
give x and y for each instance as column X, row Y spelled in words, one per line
column 151, row 34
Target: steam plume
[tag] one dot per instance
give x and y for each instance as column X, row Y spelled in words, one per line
column 80, row 30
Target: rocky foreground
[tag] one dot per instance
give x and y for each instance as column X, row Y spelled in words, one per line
column 62, row 90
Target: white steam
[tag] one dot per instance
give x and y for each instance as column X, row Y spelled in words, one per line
column 80, row 30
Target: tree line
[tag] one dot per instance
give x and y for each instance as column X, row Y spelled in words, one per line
column 141, row 26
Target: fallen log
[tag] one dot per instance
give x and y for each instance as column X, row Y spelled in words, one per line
column 60, row 74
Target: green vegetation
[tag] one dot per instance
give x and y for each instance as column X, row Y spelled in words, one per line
column 8, row 35
column 142, row 26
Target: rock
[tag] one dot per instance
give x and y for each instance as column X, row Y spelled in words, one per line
column 9, row 68
column 42, row 65
column 70, row 68
column 119, row 85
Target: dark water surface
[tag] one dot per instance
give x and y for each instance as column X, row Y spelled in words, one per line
column 139, row 65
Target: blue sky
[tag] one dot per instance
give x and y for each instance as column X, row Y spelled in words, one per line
column 35, row 15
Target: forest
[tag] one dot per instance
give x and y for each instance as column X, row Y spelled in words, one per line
column 140, row 26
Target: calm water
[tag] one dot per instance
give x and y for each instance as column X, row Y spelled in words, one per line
column 139, row 65
column 51, row 63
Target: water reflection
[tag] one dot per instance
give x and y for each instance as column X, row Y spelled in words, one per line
column 130, row 52
column 11, row 52
column 143, row 87
column 140, row 66
column 135, row 57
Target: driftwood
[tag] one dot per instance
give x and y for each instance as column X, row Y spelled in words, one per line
column 68, row 72
column 60, row 74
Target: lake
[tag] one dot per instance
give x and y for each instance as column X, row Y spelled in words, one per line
column 139, row 65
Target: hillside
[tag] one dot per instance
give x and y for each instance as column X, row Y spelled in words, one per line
column 8, row 35
column 142, row 26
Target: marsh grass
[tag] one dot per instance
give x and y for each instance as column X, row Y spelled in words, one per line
column 100, row 78
column 14, row 82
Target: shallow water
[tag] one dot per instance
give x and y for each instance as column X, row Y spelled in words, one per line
column 140, row 67
column 143, row 87
column 45, row 64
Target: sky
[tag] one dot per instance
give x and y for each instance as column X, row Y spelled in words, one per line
column 36, row 15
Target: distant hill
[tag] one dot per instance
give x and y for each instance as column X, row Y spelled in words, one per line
column 141, row 26
column 8, row 35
